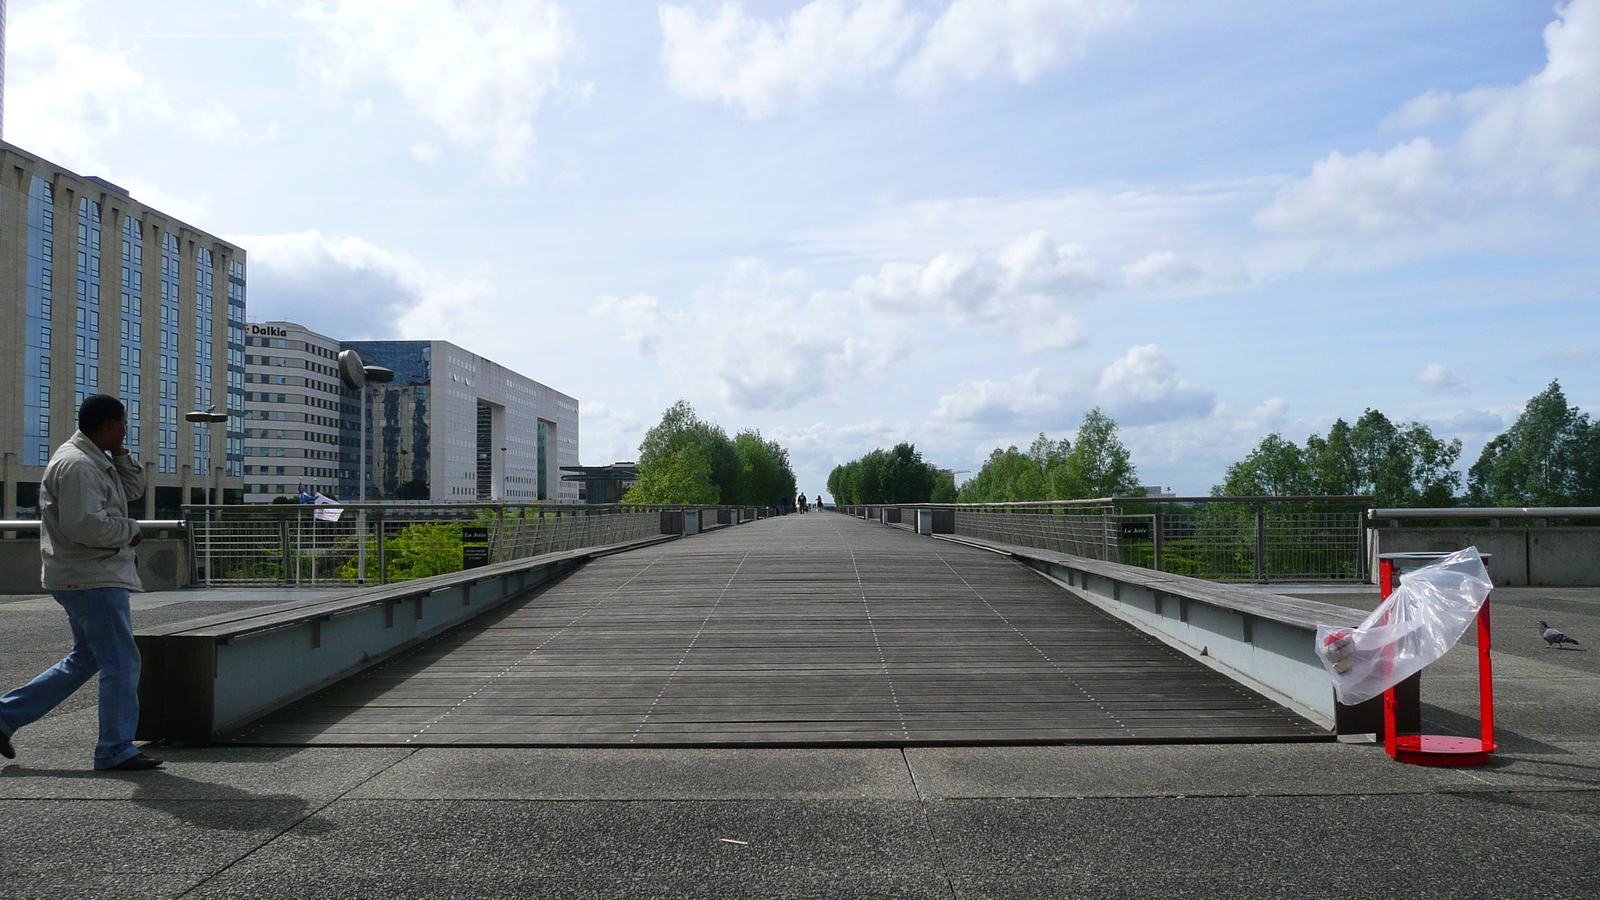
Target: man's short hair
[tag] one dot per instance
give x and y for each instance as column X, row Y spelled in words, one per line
column 99, row 410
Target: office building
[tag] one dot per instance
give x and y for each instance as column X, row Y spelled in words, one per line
column 452, row 427
column 300, row 428
column 102, row 294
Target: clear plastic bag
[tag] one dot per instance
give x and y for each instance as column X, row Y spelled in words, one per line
column 1419, row 623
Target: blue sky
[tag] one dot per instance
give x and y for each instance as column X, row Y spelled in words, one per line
column 854, row 222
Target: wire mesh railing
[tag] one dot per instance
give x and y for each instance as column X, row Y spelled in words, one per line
column 1250, row 539
column 294, row 544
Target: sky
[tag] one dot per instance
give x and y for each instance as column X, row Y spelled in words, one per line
column 850, row 223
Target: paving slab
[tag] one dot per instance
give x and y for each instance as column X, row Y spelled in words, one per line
column 410, row 885
column 246, row 774
column 74, row 839
column 505, row 841
column 1471, row 845
column 644, row 774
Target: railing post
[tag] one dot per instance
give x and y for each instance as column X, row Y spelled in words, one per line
column 1155, row 540
column 383, row 553
column 284, row 547
column 1261, row 543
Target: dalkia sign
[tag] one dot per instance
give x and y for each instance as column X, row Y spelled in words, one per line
column 268, row 331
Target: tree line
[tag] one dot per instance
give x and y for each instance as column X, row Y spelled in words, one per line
column 684, row 459
column 1550, row 456
column 899, row 475
column 1093, row 463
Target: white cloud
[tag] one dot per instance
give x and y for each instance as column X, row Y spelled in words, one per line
column 1021, row 292
column 1538, row 137
column 1544, row 132
column 1143, row 388
column 1027, row 399
column 1577, row 356
column 760, row 65
column 763, row 65
column 638, row 316
column 347, row 288
column 478, row 70
column 1405, row 191
column 65, row 94
column 1438, row 378
column 1021, row 38
column 1167, row 271
column 1478, row 421
column 761, row 340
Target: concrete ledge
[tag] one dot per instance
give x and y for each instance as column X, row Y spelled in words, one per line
column 1264, row 641
column 204, row 677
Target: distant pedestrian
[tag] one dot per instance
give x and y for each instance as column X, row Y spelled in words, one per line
column 86, row 542
column 801, row 502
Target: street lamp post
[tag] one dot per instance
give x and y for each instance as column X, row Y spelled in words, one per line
column 355, row 376
column 210, row 416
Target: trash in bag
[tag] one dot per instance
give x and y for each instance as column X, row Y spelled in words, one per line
column 1419, row 623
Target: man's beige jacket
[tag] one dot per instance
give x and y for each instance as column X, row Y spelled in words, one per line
column 84, row 507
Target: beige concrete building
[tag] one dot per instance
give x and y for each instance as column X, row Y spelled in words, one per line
column 102, row 294
column 299, row 428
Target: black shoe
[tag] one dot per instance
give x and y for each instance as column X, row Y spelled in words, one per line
column 6, row 750
column 136, row 764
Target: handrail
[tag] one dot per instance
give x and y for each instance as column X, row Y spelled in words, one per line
column 1104, row 501
column 1488, row 512
column 144, row 524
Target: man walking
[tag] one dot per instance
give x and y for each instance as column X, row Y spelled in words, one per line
column 86, row 541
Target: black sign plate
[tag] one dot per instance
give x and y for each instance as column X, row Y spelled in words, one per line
column 474, row 534
column 1137, row 531
column 473, row 556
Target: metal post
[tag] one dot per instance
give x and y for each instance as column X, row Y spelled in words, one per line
column 383, row 555
column 1155, row 538
column 361, row 517
column 149, row 492
column 208, row 546
column 283, row 546
column 1261, row 543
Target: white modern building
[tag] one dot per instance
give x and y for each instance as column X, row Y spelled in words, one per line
column 452, row 427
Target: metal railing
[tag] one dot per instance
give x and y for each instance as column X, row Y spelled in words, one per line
column 357, row 543
column 1243, row 539
column 1491, row 515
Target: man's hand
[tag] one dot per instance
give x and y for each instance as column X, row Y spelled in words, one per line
column 137, row 537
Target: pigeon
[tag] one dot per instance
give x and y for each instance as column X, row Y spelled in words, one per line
column 1553, row 637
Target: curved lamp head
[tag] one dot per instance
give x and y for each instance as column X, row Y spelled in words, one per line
column 378, row 374
column 208, row 415
column 351, row 371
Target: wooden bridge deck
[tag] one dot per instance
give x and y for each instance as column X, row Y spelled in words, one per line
column 816, row 629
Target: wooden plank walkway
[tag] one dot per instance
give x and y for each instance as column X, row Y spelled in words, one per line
column 802, row 630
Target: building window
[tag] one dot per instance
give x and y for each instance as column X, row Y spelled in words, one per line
column 87, row 373
column 36, row 325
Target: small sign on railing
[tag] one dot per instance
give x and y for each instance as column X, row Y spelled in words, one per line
column 474, row 546
column 1136, row 531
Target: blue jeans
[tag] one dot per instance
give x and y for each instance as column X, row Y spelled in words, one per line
column 102, row 633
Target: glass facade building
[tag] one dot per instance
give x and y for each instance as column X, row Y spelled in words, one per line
column 451, row 427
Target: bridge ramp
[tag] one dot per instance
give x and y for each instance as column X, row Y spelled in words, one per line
column 802, row 630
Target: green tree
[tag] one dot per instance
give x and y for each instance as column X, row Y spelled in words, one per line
column 681, row 427
column 1098, row 465
column 1276, row 467
column 899, row 475
column 1402, row 465
column 766, row 477
column 1094, row 464
column 1550, row 456
column 682, row 476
